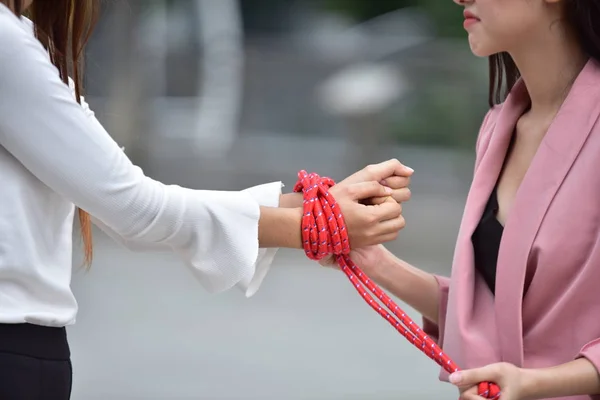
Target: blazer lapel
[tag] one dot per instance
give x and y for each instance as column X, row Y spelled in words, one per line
column 461, row 313
column 493, row 161
column 549, row 167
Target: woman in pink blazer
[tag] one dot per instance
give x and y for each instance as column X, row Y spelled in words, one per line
column 522, row 305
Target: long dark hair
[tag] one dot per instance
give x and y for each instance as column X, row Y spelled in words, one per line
column 64, row 27
column 583, row 16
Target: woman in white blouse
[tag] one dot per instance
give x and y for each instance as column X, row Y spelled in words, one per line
column 55, row 155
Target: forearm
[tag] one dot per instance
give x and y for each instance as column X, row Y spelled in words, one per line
column 575, row 378
column 280, row 227
column 417, row 288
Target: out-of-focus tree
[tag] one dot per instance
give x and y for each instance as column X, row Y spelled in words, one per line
column 446, row 15
column 362, row 10
column 434, row 115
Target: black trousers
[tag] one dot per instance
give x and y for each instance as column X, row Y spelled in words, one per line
column 35, row 363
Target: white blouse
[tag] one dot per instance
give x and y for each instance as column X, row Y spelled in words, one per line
column 54, row 154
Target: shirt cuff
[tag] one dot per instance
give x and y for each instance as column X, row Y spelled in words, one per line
column 591, row 351
column 267, row 195
column 436, row 330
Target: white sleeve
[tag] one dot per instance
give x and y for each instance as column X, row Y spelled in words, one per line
column 41, row 125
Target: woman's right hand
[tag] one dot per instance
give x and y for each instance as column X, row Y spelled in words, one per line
column 368, row 259
column 368, row 224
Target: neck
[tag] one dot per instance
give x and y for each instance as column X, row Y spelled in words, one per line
column 549, row 68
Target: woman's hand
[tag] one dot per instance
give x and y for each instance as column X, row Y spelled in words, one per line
column 370, row 202
column 373, row 256
column 514, row 382
column 391, row 173
column 384, row 212
column 368, row 224
column 574, row 378
column 367, row 258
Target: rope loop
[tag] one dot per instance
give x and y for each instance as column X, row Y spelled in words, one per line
column 323, row 228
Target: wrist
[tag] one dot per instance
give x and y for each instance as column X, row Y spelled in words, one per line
column 387, row 262
column 575, row 378
column 531, row 381
column 290, row 200
column 280, row 227
column 295, row 218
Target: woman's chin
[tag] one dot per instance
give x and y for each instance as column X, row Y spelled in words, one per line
column 480, row 54
column 478, row 50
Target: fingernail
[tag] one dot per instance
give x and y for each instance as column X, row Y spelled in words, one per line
column 388, row 190
column 410, row 169
column 455, row 378
column 383, row 182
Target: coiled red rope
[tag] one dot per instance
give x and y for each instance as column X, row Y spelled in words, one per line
column 324, row 233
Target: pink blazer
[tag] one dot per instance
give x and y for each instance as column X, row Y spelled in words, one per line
column 551, row 244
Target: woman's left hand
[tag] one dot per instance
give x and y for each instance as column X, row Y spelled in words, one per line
column 513, row 381
column 391, row 173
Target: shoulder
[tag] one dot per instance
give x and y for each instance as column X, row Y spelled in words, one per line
column 487, row 128
column 12, row 26
column 21, row 53
column 28, row 24
column 492, row 115
column 15, row 34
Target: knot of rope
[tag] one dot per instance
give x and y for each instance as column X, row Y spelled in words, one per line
column 324, row 233
column 323, row 229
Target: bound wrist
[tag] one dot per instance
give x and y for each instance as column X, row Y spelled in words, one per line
column 280, row 227
column 290, row 200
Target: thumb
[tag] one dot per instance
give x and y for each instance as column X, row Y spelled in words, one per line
column 329, row 261
column 389, row 168
column 366, row 190
column 472, row 377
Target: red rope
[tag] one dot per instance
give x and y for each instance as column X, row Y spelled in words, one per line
column 324, row 233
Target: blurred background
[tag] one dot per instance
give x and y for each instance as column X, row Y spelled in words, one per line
column 226, row 94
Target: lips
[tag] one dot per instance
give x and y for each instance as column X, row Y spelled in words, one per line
column 470, row 19
column 469, row 15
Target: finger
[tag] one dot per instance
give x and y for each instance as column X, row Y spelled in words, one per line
column 400, row 185
column 326, row 261
column 398, row 196
column 388, row 210
column 387, row 169
column 366, row 190
column 390, row 237
column 402, row 195
column 329, row 261
column 471, row 396
column 489, row 373
column 388, row 231
column 462, row 389
column 396, row 182
column 373, row 201
column 469, row 393
column 377, row 238
column 393, row 225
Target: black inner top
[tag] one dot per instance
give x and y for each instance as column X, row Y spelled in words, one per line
column 486, row 242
